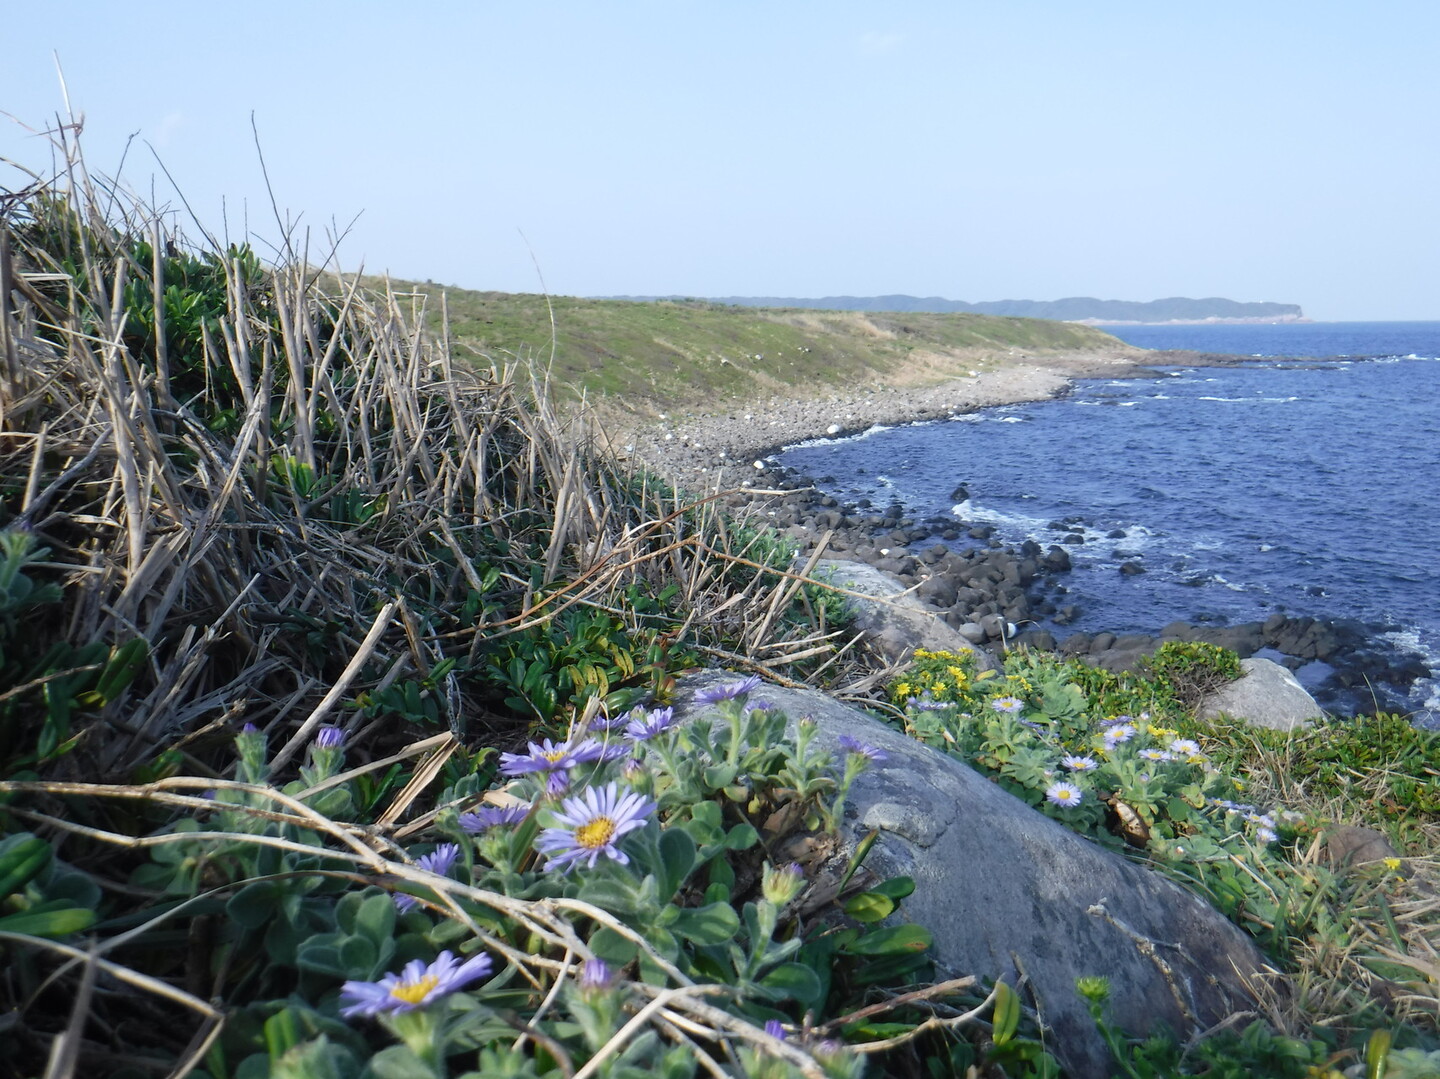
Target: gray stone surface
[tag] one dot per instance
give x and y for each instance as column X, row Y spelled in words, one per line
column 1267, row 695
column 1008, row 892
column 897, row 622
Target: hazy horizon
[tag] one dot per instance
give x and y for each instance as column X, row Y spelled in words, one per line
column 1034, row 150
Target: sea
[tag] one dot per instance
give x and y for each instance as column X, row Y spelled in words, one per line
column 1304, row 481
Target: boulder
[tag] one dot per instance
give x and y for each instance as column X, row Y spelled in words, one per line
column 893, row 620
column 1266, row 695
column 1009, row 893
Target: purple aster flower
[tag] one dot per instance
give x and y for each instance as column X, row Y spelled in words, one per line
column 860, row 749
column 1079, row 764
column 1009, row 705
column 330, row 738
column 440, row 860
column 758, row 706
column 1266, row 835
column 1185, row 747
column 607, row 724
column 249, row 728
column 590, row 824
column 927, row 703
column 774, row 1029
column 1118, row 733
column 716, row 694
column 1064, row 794
column 414, row 987
column 1115, row 721
column 595, row 975
column 548, row 757
column 487, row 817
column 632, row 769
column 646, row 726
column 1156, row 755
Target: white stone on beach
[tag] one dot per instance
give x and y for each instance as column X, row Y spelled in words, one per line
column 833, row 429
column 759, row 464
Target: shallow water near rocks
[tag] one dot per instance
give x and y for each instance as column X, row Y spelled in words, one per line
column 1305, row 485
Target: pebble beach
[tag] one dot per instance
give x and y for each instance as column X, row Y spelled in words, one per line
column 696, row 448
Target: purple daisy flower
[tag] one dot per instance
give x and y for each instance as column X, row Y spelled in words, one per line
column 607, row 724
column 440, row 860
column 860, row 749
column 716, row 694
column 595, row 975
column 548, row 757
column 1079, row 764
column 330, row 738
column 646, row 726
column 417, row 985
column 774, row 1029
column 1064, row 794
column 590, row 824
column 487, row 817
column 1009, row 705
column 1115, row 734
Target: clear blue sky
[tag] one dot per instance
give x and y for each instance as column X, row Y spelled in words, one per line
column 1130, row 149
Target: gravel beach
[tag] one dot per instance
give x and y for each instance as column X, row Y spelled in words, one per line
column 698, row 448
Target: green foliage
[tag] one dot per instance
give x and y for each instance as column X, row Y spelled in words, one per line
column 45, row 682
column 1382, row 759
column 1255, row 1051
column 40, row 896
column 1044, row 730
column 689, row 893
column 1188, row 671
column 555, row 667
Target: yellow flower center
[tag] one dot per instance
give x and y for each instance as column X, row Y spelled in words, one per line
column 554, row 755
column 592, row 835
column 415, row 992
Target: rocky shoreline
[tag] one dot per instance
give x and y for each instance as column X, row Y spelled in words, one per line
column 994, row 595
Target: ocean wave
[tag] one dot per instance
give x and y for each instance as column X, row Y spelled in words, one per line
column 1031, row 527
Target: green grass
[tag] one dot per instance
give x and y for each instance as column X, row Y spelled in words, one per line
column 679, row 352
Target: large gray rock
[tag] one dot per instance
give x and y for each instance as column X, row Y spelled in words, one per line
column 1008, row 892
column 894, row 620
column 1266, row 695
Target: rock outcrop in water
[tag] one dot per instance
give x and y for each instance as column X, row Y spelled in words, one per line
column 996, row 596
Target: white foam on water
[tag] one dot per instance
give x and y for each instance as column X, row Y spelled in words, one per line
column 1426, row 690
column 968, row 511
column 1011, row 419
column 1219, row 579
column 823, row 441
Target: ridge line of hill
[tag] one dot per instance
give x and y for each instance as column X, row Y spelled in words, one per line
column 1070, row 309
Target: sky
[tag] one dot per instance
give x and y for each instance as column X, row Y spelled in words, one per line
column 1024, row 149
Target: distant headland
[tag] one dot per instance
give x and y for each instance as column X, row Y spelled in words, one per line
column 1087, row 309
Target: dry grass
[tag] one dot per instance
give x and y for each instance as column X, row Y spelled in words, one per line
column 321, row 541
column 1376, row 934
column 300, row 518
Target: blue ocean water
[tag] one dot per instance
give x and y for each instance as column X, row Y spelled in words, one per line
column 1306, row 485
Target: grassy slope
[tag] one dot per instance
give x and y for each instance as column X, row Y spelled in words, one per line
column 692, row 351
